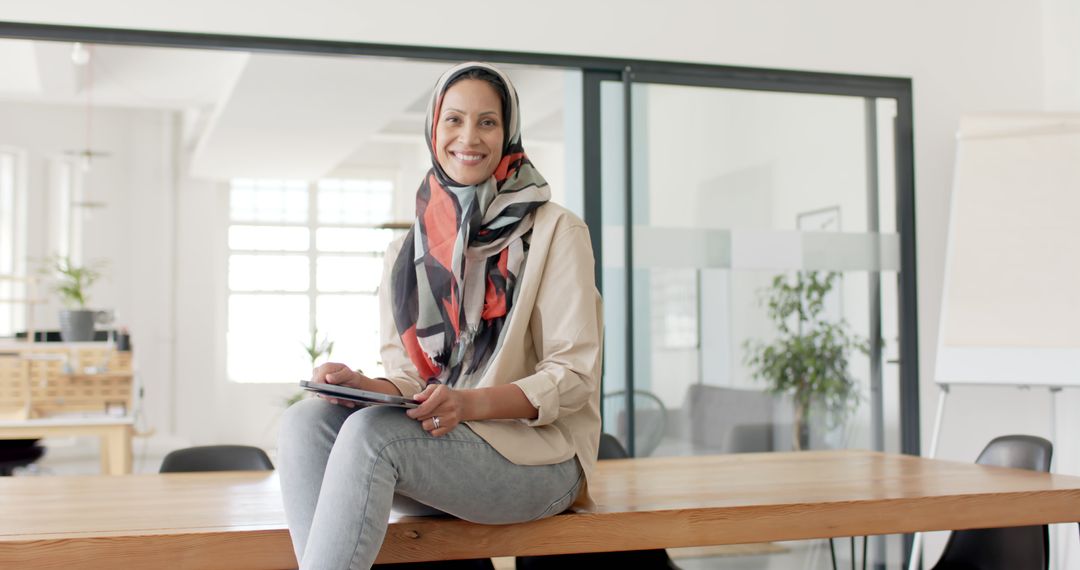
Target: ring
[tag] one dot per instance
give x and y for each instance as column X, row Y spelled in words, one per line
column 435, row 420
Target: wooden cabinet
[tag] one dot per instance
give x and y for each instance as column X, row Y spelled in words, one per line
column 39, row 380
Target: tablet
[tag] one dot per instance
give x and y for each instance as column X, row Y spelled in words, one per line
column 359, row 396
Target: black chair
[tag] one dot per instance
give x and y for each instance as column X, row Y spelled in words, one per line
column 650, row 419
column 658, row 559
column 610, row 448
column 1016, row 548
column 216, row 458
column 18, row 453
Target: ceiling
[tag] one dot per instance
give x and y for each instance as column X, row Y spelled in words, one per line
column 258, row 114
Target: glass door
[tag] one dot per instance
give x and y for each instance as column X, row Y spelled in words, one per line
column 750, row 246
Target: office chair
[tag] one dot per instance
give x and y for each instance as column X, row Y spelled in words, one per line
column 18, row 453
column 1016, row 548
column 650, row 419
column 216, row 458
column 658, row 559
column 610, row 448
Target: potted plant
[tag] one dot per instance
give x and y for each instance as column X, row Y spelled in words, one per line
column 809, row 357
column 315, row 349
column 72, row 284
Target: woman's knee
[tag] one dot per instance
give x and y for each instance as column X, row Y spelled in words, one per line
column 378, row 425
column 305, row 413
column 308, row 421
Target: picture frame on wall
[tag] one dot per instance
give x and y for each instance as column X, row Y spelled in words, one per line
column 820, row 220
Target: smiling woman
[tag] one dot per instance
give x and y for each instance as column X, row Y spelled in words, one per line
column 489, row 265
column 469, row 134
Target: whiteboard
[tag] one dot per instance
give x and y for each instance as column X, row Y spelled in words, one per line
column 1011, row 299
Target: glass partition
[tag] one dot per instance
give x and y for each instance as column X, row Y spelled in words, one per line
column 739, row 198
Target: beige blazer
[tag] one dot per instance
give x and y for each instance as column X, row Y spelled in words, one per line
column 551, row 349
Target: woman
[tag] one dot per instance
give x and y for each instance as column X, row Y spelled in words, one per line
column 490, row 319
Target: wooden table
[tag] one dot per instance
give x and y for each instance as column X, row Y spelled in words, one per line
column 115, row 434
column 235, row 520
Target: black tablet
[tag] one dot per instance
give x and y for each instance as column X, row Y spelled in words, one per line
column 359, row 396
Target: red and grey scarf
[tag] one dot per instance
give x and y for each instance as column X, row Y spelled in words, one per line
column 454, row 279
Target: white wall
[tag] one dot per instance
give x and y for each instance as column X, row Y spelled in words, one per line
column 963, row 56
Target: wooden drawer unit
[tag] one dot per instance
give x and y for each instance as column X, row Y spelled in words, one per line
column 37, row 381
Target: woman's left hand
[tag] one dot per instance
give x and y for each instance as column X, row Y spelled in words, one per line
column 439, row 401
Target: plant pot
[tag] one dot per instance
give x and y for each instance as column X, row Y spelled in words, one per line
column 77, row 325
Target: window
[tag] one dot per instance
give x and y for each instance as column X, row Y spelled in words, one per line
column 13, row 290
column 67, row 191
column 304, row 256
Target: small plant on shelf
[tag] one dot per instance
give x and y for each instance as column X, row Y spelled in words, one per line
column 72, row 282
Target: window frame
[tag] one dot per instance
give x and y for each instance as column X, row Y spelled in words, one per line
column 312, row 254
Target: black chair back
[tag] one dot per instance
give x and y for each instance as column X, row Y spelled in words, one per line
column 1016, row 548
column 16, row 453
column 1018, row 452
column 216, row 458
column 610, row 448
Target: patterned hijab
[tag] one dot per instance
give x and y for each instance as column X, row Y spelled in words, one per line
column 453, row 282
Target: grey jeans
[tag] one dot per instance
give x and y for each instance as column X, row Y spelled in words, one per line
column 341, row 467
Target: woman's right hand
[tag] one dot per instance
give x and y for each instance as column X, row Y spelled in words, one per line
column 340, row 374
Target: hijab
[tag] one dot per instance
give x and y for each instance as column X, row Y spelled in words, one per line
column 453, row 280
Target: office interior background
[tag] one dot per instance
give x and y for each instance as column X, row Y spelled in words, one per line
column 222, row 165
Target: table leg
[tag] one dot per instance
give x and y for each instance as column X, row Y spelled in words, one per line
column 116, row 452
column 106, row 453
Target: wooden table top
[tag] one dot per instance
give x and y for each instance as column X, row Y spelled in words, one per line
column 235, row 520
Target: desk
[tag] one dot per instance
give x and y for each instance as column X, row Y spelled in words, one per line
column 235, row 520
column 115, row 434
